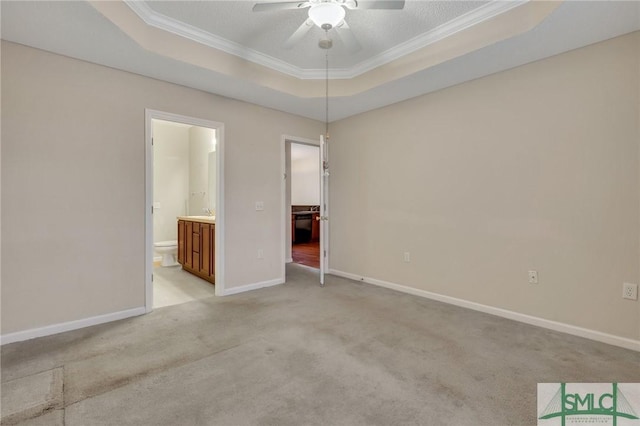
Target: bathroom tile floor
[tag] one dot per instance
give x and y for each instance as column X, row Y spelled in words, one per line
column 173, row 286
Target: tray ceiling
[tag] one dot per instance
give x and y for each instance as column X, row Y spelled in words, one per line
column 426, row 47
column 262, row 35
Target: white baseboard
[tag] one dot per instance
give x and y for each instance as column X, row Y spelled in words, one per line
column 19, row 336
column 504, row 313
column 254, row 286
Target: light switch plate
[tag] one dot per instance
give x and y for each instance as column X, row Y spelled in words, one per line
column 259, row 206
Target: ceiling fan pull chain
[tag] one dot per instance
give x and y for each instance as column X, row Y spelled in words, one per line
column 326, row 128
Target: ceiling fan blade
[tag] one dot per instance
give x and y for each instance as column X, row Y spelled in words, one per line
column 283, row 5
column 375, row 4
column 298, row 34
column 346, row 35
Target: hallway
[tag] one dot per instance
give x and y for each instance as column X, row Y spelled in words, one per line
column 307, row 254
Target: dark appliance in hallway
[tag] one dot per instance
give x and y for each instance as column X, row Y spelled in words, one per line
column 302, row 228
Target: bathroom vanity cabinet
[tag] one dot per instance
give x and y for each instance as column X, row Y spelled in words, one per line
column 196, row 246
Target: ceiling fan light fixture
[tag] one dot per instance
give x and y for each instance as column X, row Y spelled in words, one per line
column 326, row 14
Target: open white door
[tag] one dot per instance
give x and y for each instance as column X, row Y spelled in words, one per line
column 324, row 212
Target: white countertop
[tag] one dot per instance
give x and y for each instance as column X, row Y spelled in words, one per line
column 203, row 219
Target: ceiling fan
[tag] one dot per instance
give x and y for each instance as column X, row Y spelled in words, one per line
column 327, row 14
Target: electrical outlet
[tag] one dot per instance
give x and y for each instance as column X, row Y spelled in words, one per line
column 260, row 254
column 259, row 206
column 407, row 256
column 630, row 291
column 533, row 277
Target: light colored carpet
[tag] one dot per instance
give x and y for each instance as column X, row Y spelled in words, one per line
column 298, row 354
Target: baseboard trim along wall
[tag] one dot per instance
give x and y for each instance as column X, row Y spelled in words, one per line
column 254, row 286
column 48, row 330
column 598, row 336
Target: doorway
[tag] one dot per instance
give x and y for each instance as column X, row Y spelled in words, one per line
column 184, row 179
column 302, row 201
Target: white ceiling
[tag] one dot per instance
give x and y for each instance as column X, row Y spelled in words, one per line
column 78, row 29
column 266, row 32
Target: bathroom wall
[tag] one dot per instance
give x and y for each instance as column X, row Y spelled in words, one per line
column 170, row 177
column 212, row 181
column 305, row 174
column 201, row 143
column 181, row 174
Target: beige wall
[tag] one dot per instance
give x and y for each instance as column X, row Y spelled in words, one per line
column 532, row 168
column 73, row 191
column 535, row 168
column 638, row 130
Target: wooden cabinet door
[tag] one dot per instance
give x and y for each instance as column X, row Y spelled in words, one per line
column 212, row 252
column 205, row 237
column 196, row 260
column 181, row 242
column 196, row 246
column 188, row 252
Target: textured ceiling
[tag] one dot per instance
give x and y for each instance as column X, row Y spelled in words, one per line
column 376, row 30
column 79, row 30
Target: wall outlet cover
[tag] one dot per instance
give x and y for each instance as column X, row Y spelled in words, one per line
column 630, row 291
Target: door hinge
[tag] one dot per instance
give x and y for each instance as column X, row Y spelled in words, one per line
column 151, row 141
column 151, row 277
column 325, row 253
column 151, row 209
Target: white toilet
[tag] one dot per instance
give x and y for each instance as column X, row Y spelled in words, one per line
column 168, row 250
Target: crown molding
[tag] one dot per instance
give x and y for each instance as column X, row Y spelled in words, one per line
column 160, row 21
column 461, row 23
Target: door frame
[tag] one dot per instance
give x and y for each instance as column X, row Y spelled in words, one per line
column 285, row 209
column 151, row 115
